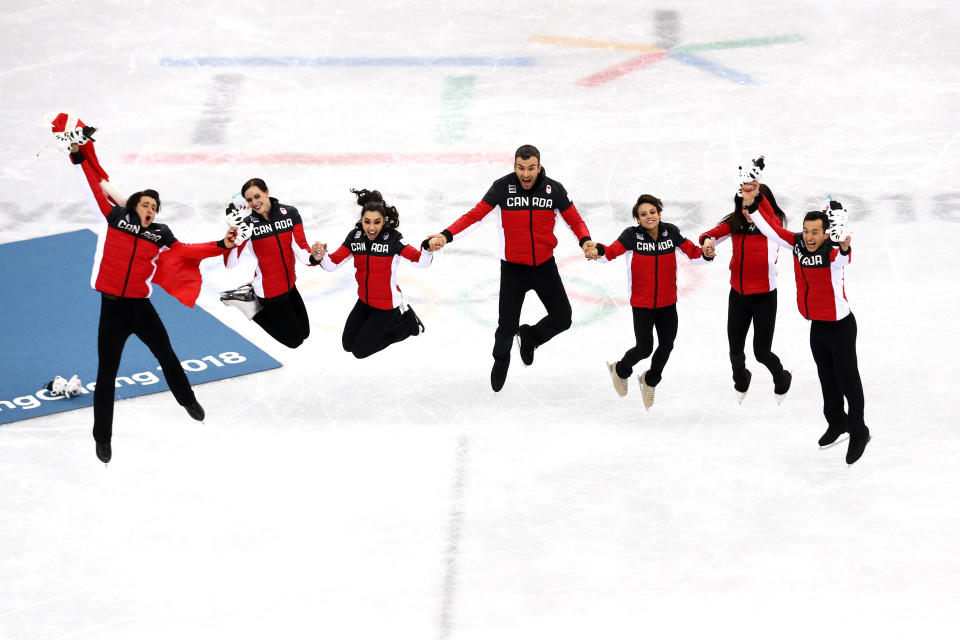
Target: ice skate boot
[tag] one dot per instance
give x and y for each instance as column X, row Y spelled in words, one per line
column 857, row 445
column 646, row 391
column 619, row 384
column 781, row 384
column 831, row 435
column 244, row 299
column 412, row 321
column 243, row 293
column 741, row 382
column 196, row 411
column 104, row 452
column 498, row 375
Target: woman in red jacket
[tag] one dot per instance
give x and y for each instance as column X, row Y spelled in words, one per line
column 133, row 252
column 652, row 270
column 276, row 242
column 753, row 293
column 380, row 317
column 819, row 263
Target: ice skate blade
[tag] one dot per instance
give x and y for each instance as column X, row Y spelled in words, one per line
column 740, row 396
column 780, row 397
column 516, row 339
column 839, row 440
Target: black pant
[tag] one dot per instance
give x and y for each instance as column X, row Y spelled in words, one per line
column 515, row 281
column 369, row 330
column 285, row 318
column 834, row 347
column 120, row 317
column 761, row 310
column 665, row 321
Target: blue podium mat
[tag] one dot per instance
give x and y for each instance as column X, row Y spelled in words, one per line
column 49, row 317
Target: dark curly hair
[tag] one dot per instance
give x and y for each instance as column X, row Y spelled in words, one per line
column 818, row 215
column 371, row 200
column 135, row 198
column 738, row 223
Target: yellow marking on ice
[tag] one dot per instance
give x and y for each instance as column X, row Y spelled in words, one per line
column 596, row 44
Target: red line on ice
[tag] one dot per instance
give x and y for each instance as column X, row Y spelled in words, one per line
column 622, row 69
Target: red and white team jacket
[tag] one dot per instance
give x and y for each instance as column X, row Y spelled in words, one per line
column 753, row 267
column 652, row 267
column 130, row 258
column 819, row 274
column 376, row 264
column 275, row 244
column 525, row 219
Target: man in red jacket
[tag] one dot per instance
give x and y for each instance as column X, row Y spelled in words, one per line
column 818, row 263
column 526, row 204
column 133, row 253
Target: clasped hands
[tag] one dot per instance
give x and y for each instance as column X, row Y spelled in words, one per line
column 318, row 250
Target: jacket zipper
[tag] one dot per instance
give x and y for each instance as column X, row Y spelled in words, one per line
column 806, row 292
column 366, row 281
column 533, row 245
column 282, row 260
column 129, row 266
column 743, row 257
column 656, row 269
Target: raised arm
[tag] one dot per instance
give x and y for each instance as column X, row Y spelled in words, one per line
column 74, row 137
column 767, row 221
column 717, row 234
column 91, row 178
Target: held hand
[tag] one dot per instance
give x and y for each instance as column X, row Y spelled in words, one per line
column 436, row 241
column 318, row 250
column 709, row 248
column 590, row 251
column 845, row 245
column 230, row 239
column 749, row 190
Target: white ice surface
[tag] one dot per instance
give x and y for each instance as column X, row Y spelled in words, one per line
column 399, row 497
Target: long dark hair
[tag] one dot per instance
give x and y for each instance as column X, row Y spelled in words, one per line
column 739, row 224
column 134, row 200
column 373, row 201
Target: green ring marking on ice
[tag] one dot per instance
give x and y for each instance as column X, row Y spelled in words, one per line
column 457, row 93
